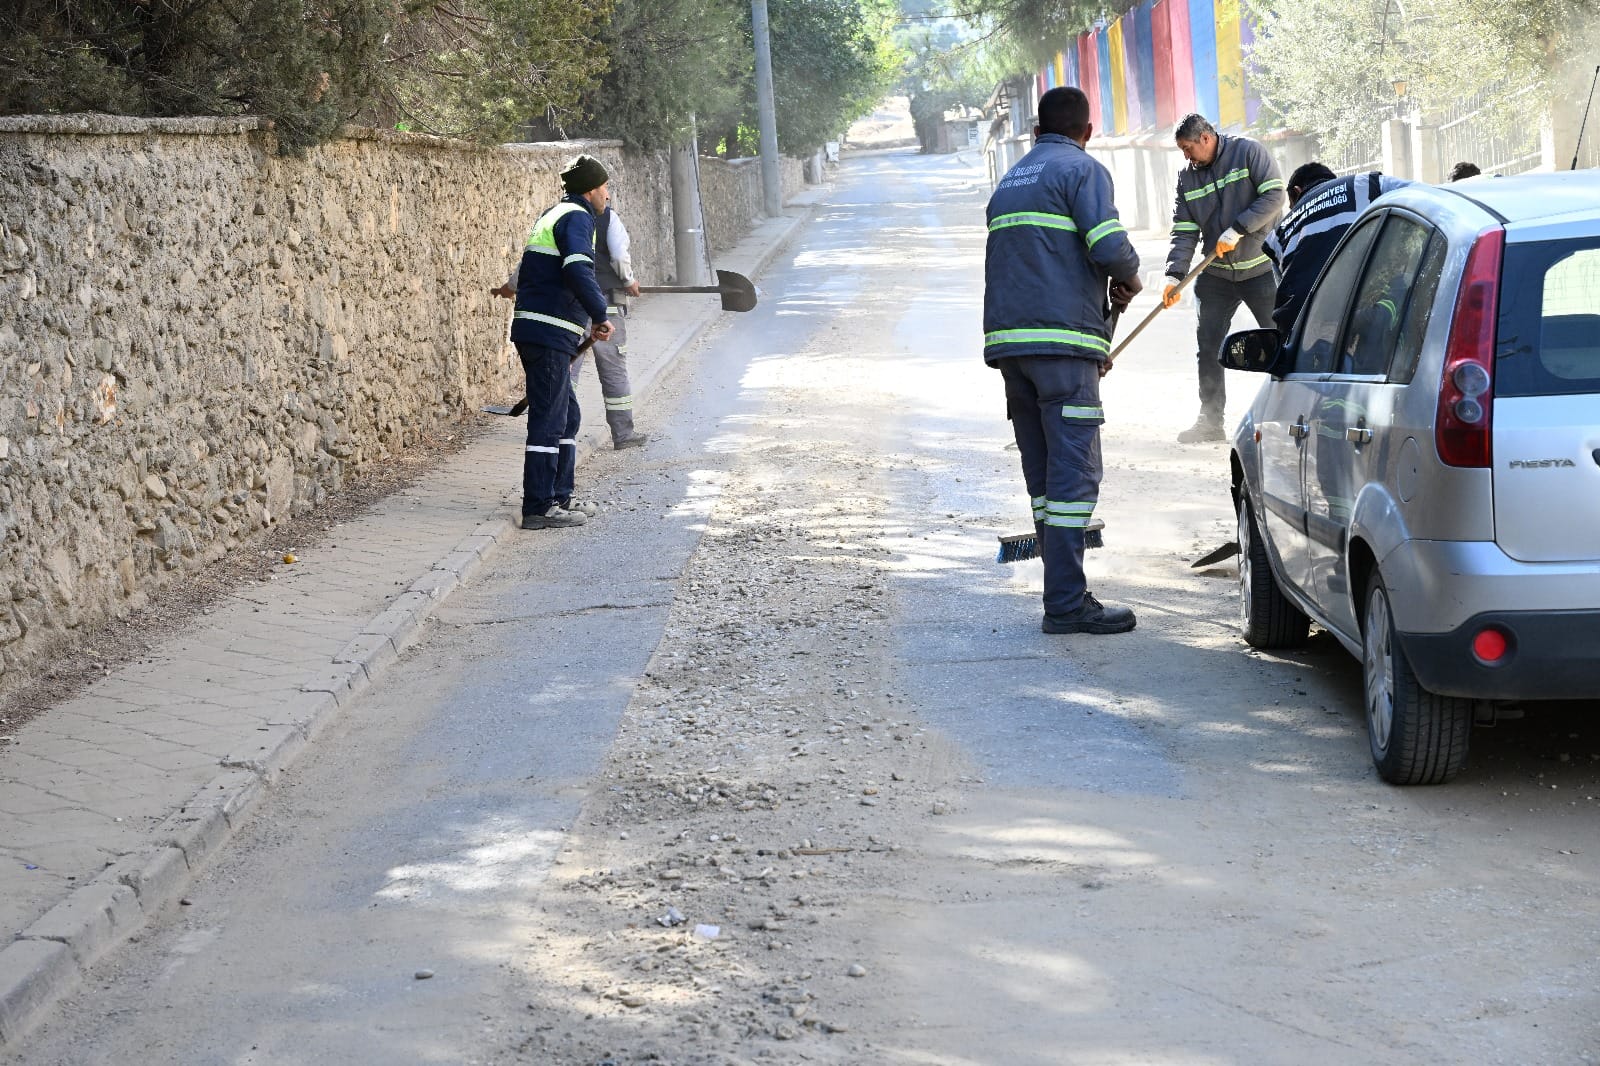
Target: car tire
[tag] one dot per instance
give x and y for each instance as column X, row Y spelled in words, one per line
column 1266, row 617
column 1417, row 737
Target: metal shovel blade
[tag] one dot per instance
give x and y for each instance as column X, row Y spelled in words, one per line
column 1227, row 551
column 738, row 293
column 736, row 290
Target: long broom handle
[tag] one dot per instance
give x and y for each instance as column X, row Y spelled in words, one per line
column 1160, row 306
column 1579, row 145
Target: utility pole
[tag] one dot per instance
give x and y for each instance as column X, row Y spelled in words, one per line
column 688, row 223
column 771, row 181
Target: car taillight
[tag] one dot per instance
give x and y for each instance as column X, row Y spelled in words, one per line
column 1462, row 430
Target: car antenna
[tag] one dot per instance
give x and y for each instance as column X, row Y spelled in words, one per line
column 1586, row 107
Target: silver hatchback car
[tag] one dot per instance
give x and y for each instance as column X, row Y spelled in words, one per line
column 1420, row 473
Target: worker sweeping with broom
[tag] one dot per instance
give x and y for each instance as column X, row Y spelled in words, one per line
column 1055, row 242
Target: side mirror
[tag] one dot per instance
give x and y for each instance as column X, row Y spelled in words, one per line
column 1256, row 350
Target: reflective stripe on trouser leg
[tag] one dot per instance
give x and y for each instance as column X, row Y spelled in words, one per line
column 549, row 388
column 611, row 364
column 1055, row 413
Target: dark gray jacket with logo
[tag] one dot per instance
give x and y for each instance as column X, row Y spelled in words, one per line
column 1243, row 190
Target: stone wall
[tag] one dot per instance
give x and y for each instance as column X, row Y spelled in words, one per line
column 733, row 197
column 199, row 337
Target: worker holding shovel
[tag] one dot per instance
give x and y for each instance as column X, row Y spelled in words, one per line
column 1228, row 199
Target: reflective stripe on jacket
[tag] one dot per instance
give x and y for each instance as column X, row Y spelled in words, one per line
column 557, row 296
column 1054, row 241
column 1303, row 242
column 1241, row 190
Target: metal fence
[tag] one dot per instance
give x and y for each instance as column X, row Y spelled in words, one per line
column 1359, row 155
column 1479, row 130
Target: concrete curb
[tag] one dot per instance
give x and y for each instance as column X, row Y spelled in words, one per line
column 47, row 961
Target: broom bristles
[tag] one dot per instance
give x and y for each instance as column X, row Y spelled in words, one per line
column 1021, row 547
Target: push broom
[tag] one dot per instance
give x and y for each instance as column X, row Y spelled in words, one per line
column 1021, row 547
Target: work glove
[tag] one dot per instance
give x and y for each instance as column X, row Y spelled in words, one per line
column 1228, row 241
column 1170, row 295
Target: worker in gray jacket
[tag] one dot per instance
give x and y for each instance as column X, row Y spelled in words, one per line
column 1229, row 198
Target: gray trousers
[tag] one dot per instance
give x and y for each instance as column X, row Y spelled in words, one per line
column 1219, row 298
column 611, row 363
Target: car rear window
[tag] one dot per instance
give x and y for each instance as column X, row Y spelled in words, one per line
column 1549, row 330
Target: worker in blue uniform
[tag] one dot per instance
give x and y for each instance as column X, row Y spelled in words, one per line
column 557, row 300
column 1055, row 244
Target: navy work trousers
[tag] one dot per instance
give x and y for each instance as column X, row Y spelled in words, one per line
column 553, row 419
column 1054, row 406
column 1219, row 298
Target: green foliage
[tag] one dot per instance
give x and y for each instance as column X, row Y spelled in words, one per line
column 832, row 60
column 944, row 69
column 305, row 71
column 1317, row 64
column 670, row 59
column 1332, row 69
column 479, row 68
column 467, row 68
column 1030, row 31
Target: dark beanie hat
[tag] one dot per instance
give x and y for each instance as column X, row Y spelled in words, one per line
column 583, row 174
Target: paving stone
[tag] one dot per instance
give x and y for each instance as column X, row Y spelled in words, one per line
column 90, row 921
column 344, row 681
column 157, row 875
column 33, row 974
column 370, row 649
column 436, row 584
column 461, row 563
column 196, row 831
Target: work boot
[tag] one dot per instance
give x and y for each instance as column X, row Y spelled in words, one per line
column 554, row 517
column 1091, row 617
column 587, row 508
column 1207, row 427
column 631, row 439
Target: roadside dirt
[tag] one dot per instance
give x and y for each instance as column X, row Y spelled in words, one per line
column 84, row 656
column 765, row 775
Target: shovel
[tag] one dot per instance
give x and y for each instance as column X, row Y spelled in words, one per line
column 1227, row 551
column 737, row 293
column 515, row 409
column 1160, row 307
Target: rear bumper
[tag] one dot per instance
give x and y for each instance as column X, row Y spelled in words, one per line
column 1550, row 655
column 1439, row 586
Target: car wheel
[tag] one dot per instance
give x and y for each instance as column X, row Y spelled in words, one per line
column 1266, row 617
column 1416, row 736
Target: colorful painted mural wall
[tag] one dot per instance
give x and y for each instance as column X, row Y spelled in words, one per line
column 1158, row 61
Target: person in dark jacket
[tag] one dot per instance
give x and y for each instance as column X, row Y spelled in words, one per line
column 1228, row 198
column 557, row 299
column 1322, row 208
column 1054, row 243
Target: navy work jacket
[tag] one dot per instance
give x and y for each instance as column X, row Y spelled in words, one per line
column 1054, row 242
column 557, row 296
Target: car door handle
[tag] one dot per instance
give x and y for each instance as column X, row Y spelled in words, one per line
column 1299, row 431
column 1358, row 435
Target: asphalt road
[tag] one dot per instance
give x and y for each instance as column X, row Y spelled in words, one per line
column 1158, row 848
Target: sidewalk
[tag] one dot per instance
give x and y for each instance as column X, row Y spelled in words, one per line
column 110, row 802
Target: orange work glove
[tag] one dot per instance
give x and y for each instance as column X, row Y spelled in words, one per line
column 1228, row 241
column 1170, row 295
